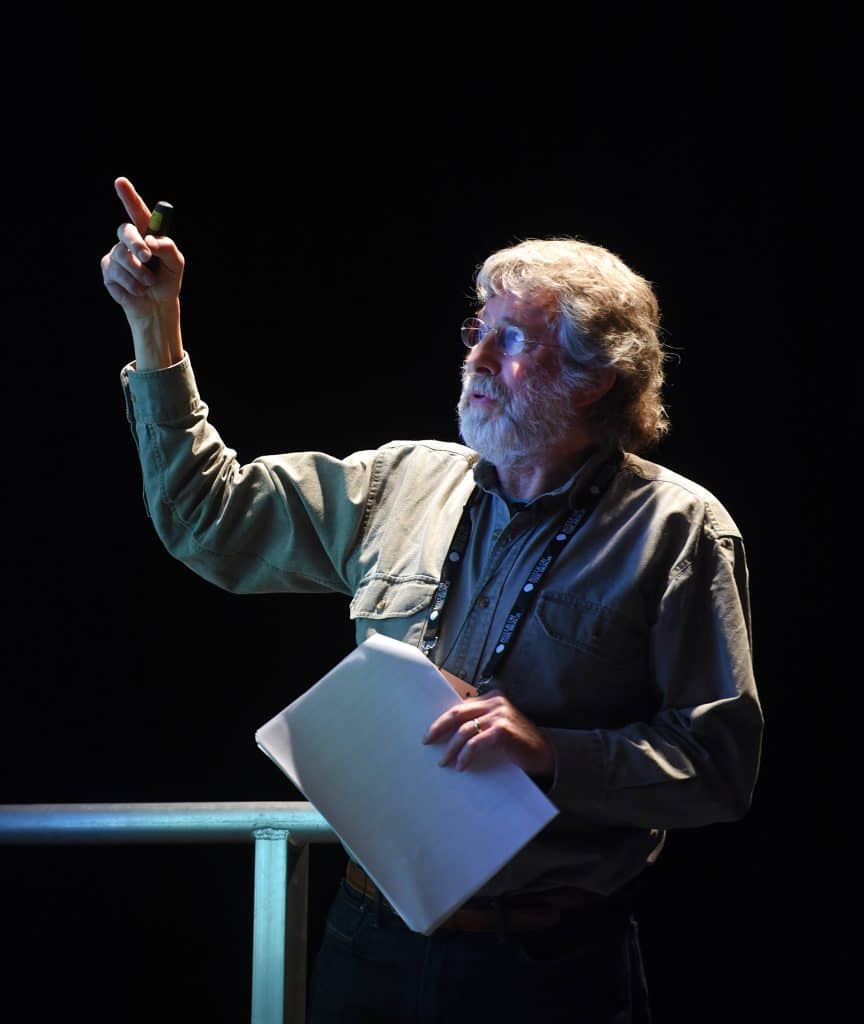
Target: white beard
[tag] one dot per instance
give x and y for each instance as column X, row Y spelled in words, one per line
column 531, row 419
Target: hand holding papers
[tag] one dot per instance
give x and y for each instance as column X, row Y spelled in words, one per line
column 428, row 836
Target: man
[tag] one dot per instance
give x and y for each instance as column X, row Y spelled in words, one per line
column 597, row 601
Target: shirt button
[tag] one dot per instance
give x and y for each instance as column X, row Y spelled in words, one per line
column 483, row 602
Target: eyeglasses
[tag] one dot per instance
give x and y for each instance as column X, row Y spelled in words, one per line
column 510, row 338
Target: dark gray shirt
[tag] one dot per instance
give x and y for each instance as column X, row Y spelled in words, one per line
column 635, row 659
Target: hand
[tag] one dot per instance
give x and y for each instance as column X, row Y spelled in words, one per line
column 128, row 281
column 499, row 726
column 150, row 301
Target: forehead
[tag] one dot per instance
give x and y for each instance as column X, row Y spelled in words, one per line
column 529, row 312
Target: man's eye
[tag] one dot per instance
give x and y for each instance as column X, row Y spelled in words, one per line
column 513, row 337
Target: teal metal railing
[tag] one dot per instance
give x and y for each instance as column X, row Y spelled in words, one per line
column 281, row 832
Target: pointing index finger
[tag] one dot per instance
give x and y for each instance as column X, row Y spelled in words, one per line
column 136, row 209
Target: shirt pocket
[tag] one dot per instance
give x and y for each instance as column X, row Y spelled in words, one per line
column 582, row 664
column 595, row 629
column 395, row 606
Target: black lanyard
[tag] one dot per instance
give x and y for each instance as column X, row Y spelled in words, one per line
column 588, row 497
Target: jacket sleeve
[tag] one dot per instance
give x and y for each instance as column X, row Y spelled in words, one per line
column 279, row 523
column 696, row 760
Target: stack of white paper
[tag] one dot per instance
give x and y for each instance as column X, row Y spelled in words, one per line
column 428, row 836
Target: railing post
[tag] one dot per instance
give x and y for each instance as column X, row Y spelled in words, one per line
column 280, row 920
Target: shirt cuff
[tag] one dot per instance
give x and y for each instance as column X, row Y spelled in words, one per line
column 580, row 775
column 161, row 396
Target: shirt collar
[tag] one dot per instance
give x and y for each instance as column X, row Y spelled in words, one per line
column 486, row 478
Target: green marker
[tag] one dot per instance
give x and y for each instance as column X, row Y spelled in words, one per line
column 158, row 225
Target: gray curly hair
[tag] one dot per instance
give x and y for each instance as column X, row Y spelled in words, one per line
column 605, row 315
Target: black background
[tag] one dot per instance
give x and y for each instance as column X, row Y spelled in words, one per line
column 337, row 179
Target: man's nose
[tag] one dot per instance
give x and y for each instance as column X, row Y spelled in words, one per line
column 485, row 356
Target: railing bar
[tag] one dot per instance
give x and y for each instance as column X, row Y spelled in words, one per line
column 135, row 823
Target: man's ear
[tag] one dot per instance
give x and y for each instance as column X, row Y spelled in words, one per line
column 588, row 394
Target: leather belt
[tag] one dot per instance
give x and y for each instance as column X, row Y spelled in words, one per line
column 468, row 919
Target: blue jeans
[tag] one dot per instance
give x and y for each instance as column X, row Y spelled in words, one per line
column 372, row 969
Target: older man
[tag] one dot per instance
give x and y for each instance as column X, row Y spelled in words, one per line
column 594, row 603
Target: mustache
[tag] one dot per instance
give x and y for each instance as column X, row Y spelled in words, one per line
column 478, row 384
